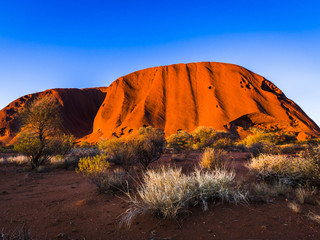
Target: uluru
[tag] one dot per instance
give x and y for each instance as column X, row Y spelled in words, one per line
column 180, row 96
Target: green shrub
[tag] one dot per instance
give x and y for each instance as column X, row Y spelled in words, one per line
column 181, row 141
column 224, row 143
column 84, row 144
column 7, row 149
column 291, row 148
column 263, row 148
column 41, row 151
column 121, row 152
column 150, row 144
column 41, row 133
column 142, row 148
column 97, row 170
column 291, row 169
column 274, row 137
column 204, row 137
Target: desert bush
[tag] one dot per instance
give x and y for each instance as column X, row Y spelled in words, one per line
column 213, row 159
column 93, row 165
column 204, row 137
column 41, row 151
column 144, row 147
column 312, row 141
column 224, row 144
column 84, row 144
column 291, row 148
column 42, row 136
column 239, row 147
column 263, row 148
column 149, row 144
column 181, row 141
column 96, row 169
column 168, row 192
column 275, row 137
column 258, row 136
column 121, row 152
column 7, row 149
column 293, row 170
column 71, row 159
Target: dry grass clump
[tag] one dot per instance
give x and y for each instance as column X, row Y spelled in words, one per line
column 213, row 159
column 273, row 190
column 168, row 192
column 295, row 207
column 306, row 195
column 216, row 185
column 18, row 160
column 314, row 217
column 263, row 191
column 292, row 169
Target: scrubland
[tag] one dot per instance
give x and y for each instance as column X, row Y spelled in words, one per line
column 146, row 186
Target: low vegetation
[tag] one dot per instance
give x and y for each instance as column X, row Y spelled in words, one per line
column 263, row 191
column 295, row 207
column 292, row 170
column 306, row 195
column 274, row 137
column 213, row 159
column 97, row 170
column 41, row 135
column 142, row 148
column 314, row 217
column 181, row 141
column 204, row 137
column 168, row 192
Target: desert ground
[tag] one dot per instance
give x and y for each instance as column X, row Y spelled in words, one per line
column 61, row 204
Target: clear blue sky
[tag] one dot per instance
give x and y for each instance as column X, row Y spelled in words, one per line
column 52, row 43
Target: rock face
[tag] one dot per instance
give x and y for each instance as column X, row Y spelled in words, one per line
column 180, row 96
column 79, row 108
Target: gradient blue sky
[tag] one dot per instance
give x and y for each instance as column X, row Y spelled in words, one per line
column 53, row 43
